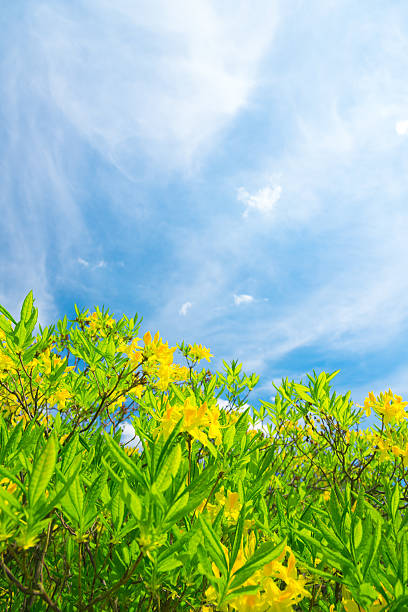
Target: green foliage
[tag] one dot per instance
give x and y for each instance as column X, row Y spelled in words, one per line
column 209, row 513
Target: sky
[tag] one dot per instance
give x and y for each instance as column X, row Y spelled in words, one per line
column 234, row 172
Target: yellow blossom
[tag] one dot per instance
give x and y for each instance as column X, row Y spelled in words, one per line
column 199, row 352
column 60, row 397
column 326, row 495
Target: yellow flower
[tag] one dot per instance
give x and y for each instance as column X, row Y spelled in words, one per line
column 326, row 495
column 60, row 397
column 199, row 352
column 231, row 503
column 11, row 486
column 389, row 406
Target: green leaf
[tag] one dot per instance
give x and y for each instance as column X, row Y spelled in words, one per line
column 43, row 470
column 117, row 510
column 131, row 500
column 111, row 471
column 168, row 469
column 213, row 545
column 20, row 333
column 12, row 441
column 30, row 323
column 46, row 508
column 404, row 558
column 247, row 590
column 237, row 538
column 69, row 452
column 76, row 495
column 167, row 445
column 168, row 564
column 5, row 325
column 122, row 459
column 229, row 436
column 374, row 544
column 26, row 308
column 241, row 427
column 301, row 391
column 177, row 392
column 94, row 491
column 7, row 314
column 321, row 381
column 395, row 499
column 175, row 512
column 264, row 554
column 357, row 533
column 279, row 507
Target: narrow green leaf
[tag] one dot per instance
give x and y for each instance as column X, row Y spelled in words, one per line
column 264, row 554
column 52, row 502
column 229, row 436
column 213, row 545
column 237, row 538
column 301, row 391
column 5, row 325
column 32, row 320
column 20, row 333
column 374, row 544
column 167, row 445
column 111, row 471
column 247, row 590
column 43, row 470
column 13, row 440
column 26, row 307
column 131, row 500
column 122, row 459
column 69, row 452
column 175, row 512
column 168, row 564
column 395, row 499
column 94, row 491
column 76, row 495
column 177, row 392
column 7, row 314
column 403, row 570
column 118, row 510
column 168, row 469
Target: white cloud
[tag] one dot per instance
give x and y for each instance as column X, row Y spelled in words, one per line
column 83, row 262
column 165, row 79
column 185, row 307
column 128, row 436
column 243, row 299
column 401, row 127
column 263, row 200
column 148, row 88
column 100, row 264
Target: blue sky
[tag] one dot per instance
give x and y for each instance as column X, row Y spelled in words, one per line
column 235, row 173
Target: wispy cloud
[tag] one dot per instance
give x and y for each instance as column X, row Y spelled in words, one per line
column 401, row 127
column 243, row 299
column 117, row 87
column 185, row 307
column 194, row 74
column 263, row 200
